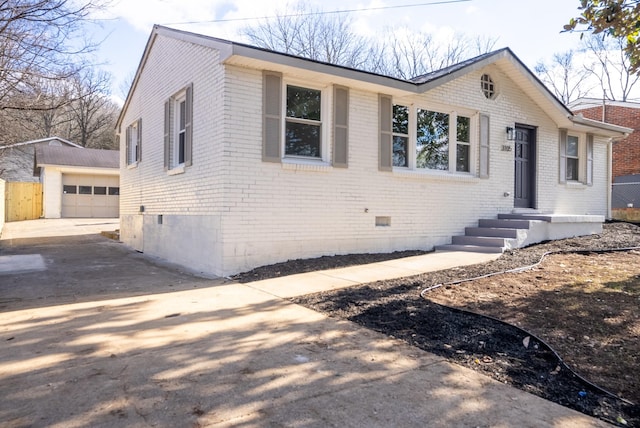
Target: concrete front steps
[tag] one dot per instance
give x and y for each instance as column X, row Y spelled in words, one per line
column 517, row 230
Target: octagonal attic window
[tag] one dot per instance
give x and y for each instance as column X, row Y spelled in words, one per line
column 488, row 87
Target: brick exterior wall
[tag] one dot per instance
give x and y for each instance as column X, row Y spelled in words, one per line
column 626, row 152
column 231, row 211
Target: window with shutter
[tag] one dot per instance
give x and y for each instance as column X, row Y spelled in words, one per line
column 133, row 142
column 419, row 138
column 298, row 123
column 576, row 157
column 178, row 130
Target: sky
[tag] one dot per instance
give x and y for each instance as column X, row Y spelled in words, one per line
column 532, row 29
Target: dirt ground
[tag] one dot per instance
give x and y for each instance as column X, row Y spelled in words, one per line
column 98, row 335
column 584, row 306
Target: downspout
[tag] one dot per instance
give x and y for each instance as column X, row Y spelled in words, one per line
column 609, row 175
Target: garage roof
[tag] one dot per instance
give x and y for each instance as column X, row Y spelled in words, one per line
column 71, row 156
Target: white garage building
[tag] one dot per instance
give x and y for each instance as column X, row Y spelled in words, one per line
column 78, row 182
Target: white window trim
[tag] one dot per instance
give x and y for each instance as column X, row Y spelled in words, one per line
column 474, row 140
column 132, row 134
column 411, row 136
column 582, row 158
column 174, row 164
column 325, row 123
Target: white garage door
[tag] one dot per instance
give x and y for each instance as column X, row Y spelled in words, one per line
column 90, row 195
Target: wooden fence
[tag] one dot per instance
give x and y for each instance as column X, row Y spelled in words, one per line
column 23, row 201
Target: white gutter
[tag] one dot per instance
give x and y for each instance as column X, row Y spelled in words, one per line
column 581, row 121
column 609, row 176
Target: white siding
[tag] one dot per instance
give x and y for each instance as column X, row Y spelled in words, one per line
column 52, row 192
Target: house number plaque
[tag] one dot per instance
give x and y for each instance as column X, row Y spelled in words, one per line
column 506, row 148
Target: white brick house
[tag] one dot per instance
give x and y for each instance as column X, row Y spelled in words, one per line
column 234, row 157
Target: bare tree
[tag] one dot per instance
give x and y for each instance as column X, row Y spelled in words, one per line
column 563, row 77
column 410, row 54
column 311, row 34
column 611, row 66
column 399, row 52
column 91, row 111
column 39, row 39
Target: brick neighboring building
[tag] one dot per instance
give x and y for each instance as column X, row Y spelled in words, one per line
column 626, row 152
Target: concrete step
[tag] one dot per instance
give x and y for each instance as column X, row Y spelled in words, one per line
column 469, row 248
column 491, row 231
column 483, row 241
column 504, row 223
column 515, row 216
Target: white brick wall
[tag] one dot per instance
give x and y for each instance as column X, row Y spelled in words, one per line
column 193, row 199
column 230, row 211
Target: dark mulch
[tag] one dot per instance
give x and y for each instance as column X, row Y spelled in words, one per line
column 497, row 349
column 293, row 267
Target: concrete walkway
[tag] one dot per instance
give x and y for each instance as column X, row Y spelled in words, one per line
column 104, row 337
column 313, row 282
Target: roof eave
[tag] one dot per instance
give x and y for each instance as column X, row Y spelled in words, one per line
column 276, row 59
column 600, row 128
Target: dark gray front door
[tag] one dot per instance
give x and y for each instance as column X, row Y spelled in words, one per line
column 524, row 146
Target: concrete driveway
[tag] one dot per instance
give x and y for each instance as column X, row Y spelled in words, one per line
column 97, row 335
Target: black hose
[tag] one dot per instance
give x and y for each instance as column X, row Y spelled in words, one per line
column 522, row 269
column 525, row 268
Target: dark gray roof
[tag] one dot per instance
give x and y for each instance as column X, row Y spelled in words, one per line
column 455, row 67
column 71, row 156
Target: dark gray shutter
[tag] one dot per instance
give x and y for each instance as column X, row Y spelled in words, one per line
column 484, row 146
column 139, row 147
column 167, row 133
column 272, row 116
column 385, row 152
column 340, row 126
column 188, row 127
column 562, row 142
column 127, row 144
column 590, row 159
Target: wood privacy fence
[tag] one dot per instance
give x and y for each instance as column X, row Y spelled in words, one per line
column 23, row 201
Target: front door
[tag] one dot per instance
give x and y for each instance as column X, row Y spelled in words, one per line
column 525, row 173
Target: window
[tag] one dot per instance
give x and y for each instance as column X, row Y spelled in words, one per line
column 84, row 190
column 99, row 190
column 488, row 87
column 133, row 136
column 432, row 140
column 573, row 159
column 426, row 139
column 114, row 191
column 69, row 190
column 178, row 130
column 463, row 143
column 303, row 122
column 181, row 131
column 400, row 124
column 576, row 158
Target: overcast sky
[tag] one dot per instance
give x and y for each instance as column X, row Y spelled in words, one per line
column 532, row 29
